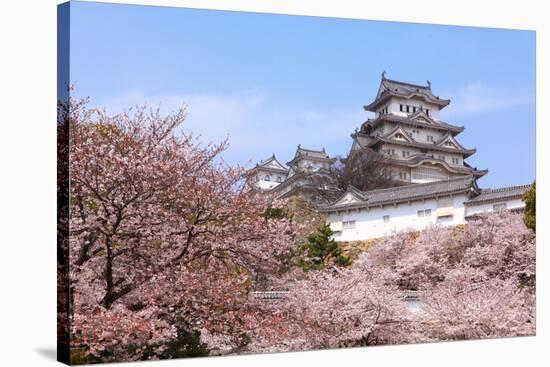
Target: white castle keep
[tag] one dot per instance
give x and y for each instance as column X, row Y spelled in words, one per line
column 418, row 148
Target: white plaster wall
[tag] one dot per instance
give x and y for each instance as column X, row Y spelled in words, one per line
column 422, row 135
column 393, row 107
column 369, row 223
column 398, row 150
column 488, row 207
column 261, row 183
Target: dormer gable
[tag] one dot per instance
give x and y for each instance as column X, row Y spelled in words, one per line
column 400, row 134
column 352, row 195
column 449, row 142
column 272, row 163
column 421, row 116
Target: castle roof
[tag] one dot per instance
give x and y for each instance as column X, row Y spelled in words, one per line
column 310, row 154
column 393, row 88
column 270, row 164
column 419, row 118
column 354, row 198
column 416, row 160
column 501, row 193
column 428, row 146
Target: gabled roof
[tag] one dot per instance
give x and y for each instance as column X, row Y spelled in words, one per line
column 374, row 198
column 270, row 164
column 436, row 124
column 398, row 132
column 501, row 193
column 421, row 116
column 392, row 88
column 310, row 154
column 416, row 160
column 428, row 146
column 448, row 138
column 352, row 195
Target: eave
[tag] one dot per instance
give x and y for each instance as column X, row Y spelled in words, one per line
column 386, row 95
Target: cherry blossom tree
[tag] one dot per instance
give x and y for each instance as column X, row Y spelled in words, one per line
column 166, row 240
column 161, row 229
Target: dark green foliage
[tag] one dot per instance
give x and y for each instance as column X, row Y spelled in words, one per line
column 188, row 344
column 530, row 207
column 276, row 213
column 320, row 249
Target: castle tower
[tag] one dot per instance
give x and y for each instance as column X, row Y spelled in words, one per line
column 417, row 145
column 267, row 174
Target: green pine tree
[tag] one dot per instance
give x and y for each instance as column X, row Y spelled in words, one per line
column 530, row 207
column 320, row 248
column 276, row 213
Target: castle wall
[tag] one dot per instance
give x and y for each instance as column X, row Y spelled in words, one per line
column 369, row 223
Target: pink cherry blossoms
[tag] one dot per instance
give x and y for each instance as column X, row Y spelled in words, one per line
column 163, row 233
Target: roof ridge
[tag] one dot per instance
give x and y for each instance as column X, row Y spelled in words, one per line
column 406, row 83
column 462, row 177
column 396, row 118
column 312, row 150
column 505, row 188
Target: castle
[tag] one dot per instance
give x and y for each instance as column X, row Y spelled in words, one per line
column 418, row 149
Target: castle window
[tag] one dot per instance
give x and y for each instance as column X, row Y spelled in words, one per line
column 401, row 107
column 279, row 179
column 427, row 112
column 455, row 160
column 430, row 138
column 408, row 108
column 414, row 108
column 406, row 153
column 424, row 213
column 348, row 224
column 386, row 218
column 267, row 178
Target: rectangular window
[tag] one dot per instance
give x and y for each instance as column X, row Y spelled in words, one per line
column 499, row 207
column 430, row 138
column 414, row 109
column 386, row 218
column 427, row 112
column 424, row 213
column 405, row 153
column 408, row 108
column 401, row 107
column 349, row 224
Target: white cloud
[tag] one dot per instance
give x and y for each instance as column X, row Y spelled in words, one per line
column 255, row 125
column 476, row 97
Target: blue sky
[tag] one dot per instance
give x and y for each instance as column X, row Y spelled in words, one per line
column 269, row 82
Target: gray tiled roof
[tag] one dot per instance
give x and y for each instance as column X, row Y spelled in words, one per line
column 270, row 164
column 311, row 152
column 318, row 155
column 410, row 192
column 465, row 152
column 439, row 125
column 416, row 159
column 488, row 195
column 396, row 88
